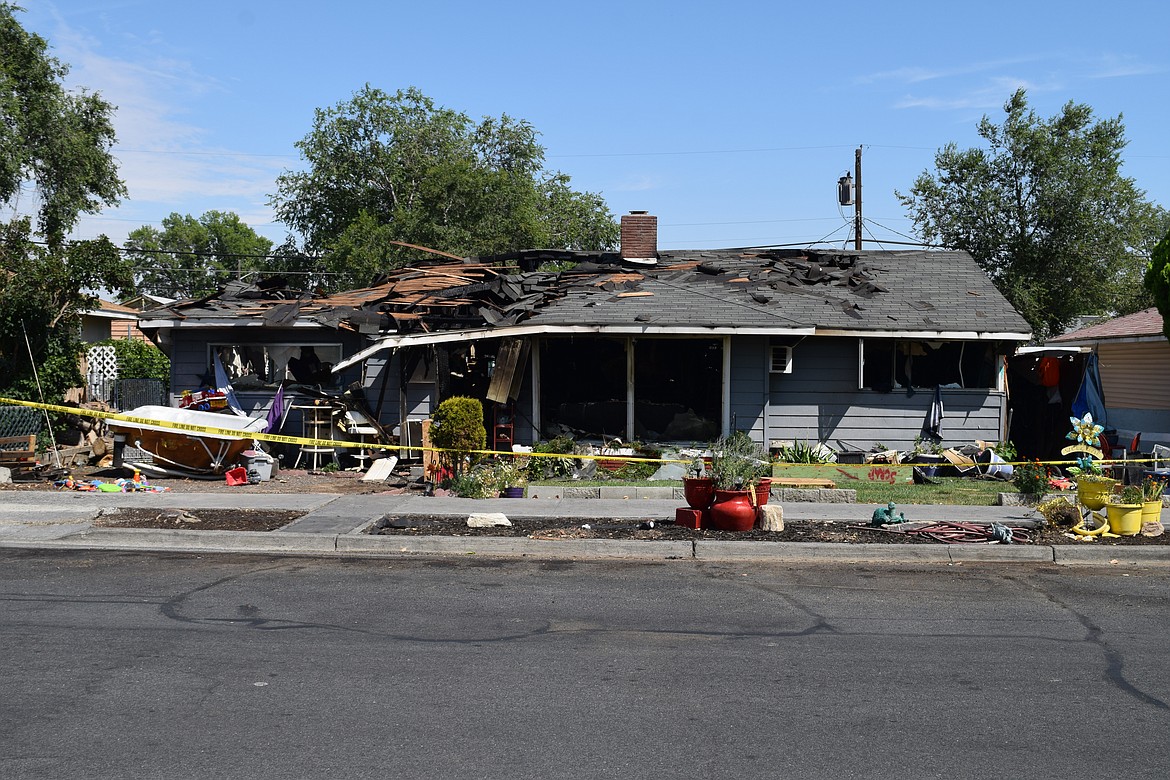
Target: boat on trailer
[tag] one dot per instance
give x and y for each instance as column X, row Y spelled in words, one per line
column 187, row 452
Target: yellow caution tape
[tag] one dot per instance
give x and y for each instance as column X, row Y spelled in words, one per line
column 235, row 433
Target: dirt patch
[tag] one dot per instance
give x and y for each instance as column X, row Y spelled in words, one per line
column 615, row 528
column 200, row 519
column 568, row 528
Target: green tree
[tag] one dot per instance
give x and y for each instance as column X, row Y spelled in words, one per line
column 1045, row 211
column 58, row 141
column 43, row 293
column 192, row 257
column 1157, row 280
column 386, row 168
column 54, row 152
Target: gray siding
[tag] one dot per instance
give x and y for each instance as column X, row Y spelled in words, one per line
column 748, row 386
column 820, row 401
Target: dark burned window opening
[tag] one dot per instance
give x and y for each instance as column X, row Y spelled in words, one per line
column 677, row 388
column 265, row 366
column 891, row 364
column 583, row 388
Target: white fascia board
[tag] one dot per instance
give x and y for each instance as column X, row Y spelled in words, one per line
column 477, row 334
column 926, row 335
column 1054, row 350
column 110, row 315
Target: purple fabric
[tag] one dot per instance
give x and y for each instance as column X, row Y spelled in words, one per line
column 277, row 410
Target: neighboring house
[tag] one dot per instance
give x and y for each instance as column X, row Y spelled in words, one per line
column 821, row 345
column 1133, row 357
column 110, row 321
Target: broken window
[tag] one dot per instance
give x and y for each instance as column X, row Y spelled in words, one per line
column 678, row 389
column 887, row 364
column 583, row 388
column 262, row 366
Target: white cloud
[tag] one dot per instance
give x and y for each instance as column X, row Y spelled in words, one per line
column 917, row 74
column 163, row 151
column 635, row 183
column 1112, row 66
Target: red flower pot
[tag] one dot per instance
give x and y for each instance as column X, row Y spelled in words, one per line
column 733, row 510
column 698, row 491
column 763, row 489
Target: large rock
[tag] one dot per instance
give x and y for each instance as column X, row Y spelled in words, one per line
column 487, row 520
column 5, row 475
column 770, row 517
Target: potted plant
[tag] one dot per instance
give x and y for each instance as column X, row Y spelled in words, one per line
column 698, row 486
column 738, row 465
column 927, row 455
column 1093, row 487
column 1151, row 501
column 509, row 479
column 1124, row 511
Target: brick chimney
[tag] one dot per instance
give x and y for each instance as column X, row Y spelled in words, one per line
column 640, row 237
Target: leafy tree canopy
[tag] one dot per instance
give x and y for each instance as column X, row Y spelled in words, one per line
column 397, row 168
column 58, row 141
column 1045, row 211
column 191, row 257
column 43, row 294
column 54, row 153
column 1158, row 280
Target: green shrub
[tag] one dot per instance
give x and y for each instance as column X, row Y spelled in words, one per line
column 554, row 468
column 457, row 428
column 139, row 359
column 487, row 479
column 802, row 452
column 1030, row 477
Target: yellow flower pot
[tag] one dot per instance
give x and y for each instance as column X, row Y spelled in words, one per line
column 1152, row 511
column 1124, row 519
column 1093, row 494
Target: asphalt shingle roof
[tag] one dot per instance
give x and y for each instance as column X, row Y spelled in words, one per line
column 869, row 291
column 1143, row 323
column 862, row 291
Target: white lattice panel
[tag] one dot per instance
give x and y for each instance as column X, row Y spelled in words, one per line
column 103, row 370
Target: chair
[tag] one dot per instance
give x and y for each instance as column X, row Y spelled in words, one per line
column 316, row 423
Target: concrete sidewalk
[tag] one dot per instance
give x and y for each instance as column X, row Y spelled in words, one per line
column 334, row 526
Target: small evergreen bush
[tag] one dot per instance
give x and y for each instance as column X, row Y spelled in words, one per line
column 457, row 428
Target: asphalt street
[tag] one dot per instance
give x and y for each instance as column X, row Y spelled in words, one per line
column 136, row 665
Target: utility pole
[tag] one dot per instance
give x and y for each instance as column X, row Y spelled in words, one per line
column 857, row 207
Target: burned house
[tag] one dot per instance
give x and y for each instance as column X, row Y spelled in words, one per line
column 837, row 346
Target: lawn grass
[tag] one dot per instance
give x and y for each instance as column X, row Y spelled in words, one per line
column 949, row 490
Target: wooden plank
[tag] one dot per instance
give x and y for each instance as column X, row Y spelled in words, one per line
column 801, row 482
column 18, row 451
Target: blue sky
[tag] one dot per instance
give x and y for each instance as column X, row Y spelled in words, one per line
column 730, row 121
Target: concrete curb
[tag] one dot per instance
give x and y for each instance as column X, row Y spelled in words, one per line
column 818, row 551
column 360, row 545
column 166, row 540
column 381, row 546
column 1100, row 555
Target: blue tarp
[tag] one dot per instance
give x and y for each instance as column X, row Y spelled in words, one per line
column 1090, row 398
